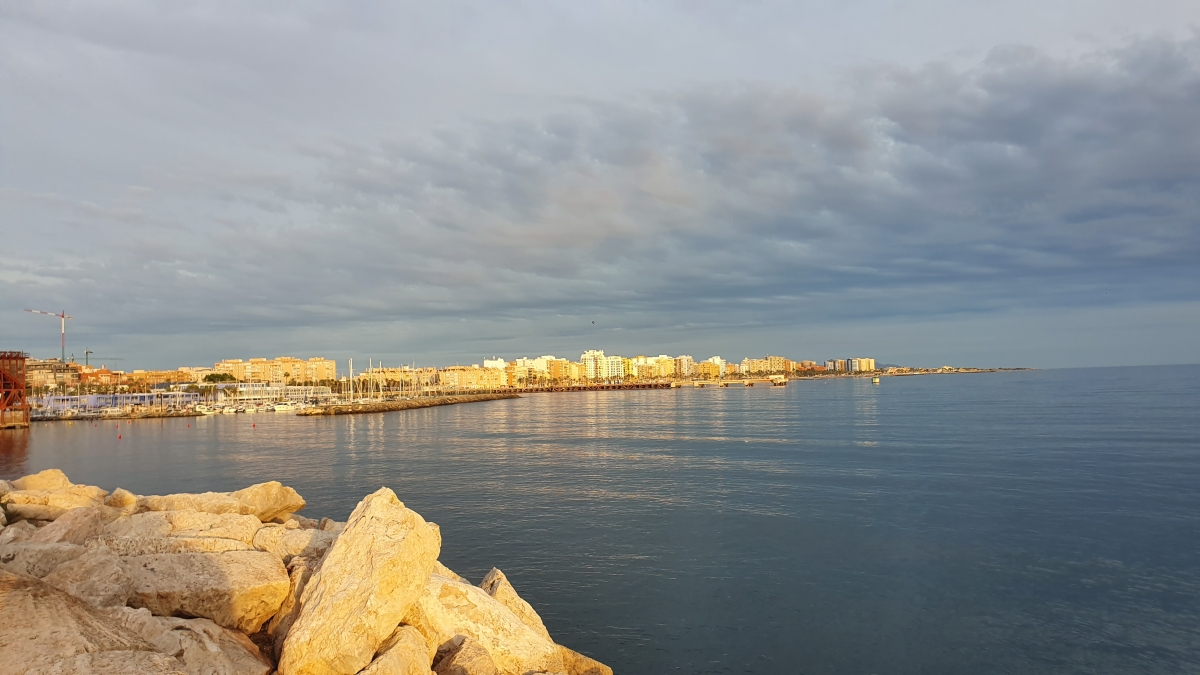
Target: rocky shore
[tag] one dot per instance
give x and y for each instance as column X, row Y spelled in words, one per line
column 237, row 583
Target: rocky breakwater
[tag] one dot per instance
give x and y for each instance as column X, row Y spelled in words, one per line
column 237, row 583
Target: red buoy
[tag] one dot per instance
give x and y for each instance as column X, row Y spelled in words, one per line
column 118, row 437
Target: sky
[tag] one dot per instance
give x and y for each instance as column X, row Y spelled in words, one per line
column 926, row 183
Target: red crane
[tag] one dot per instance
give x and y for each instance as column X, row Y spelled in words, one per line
column 62, row 317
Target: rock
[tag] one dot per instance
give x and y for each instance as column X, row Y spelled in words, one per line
column 265, row 501
column 287, row 542
column 47, row 631
column 187, row 524
column 300, row 570
column 239, row 590
column 448, row 608
column 375, row 569
column 50, row 504
column 96, row 577
column 18, row 531
column 3, row 520
column 31, row 512
column 5, row 487
column 498, row 586
column 301, row 521
column 50, row 479
column 132, row 546
column 403, row 653
column 440, row 569
column 328, row 525
column 37, row 559
column 122, row 499
column 466, row 657
column 73, row 527
column 202, row 646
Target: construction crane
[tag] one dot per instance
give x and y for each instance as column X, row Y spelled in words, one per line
column 86, row 352
column 62, row 317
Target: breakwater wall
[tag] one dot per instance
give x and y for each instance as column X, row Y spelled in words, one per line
column 239, row 583
column 408, row 404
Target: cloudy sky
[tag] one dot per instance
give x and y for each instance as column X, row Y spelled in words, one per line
column 928, row 182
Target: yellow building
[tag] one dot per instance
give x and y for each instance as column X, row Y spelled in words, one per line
column 281, row 369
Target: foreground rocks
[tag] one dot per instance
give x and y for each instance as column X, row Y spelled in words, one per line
column 367, row 581
column 238, row 583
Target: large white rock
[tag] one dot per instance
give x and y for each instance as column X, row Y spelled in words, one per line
column 136, row 545
column 465, row 657
column 403, row 653
column 44, row 630
column 50, row 479
column 239, row 590
column 201, row 646
column 300, row 570
column 97, row 577
column 187, row 524
column 50, row 504
column 370, row 576
column 37, row 559
column 73, row 527
column 286, row 542
column 18, row 531
column 498, row 586
column 448, row 608
column 266, row 501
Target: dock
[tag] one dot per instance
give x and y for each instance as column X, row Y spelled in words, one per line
column 403, row 404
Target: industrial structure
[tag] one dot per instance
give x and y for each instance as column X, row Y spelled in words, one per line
column 14, row 408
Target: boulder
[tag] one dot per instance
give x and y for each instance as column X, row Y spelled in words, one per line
column 498, row 586
column 131, row 546
column 18, row 531
column 465, row 657
column 97, row 577
column 50, row 479
column 448, row 608
column 266, row 501
column 186, row 524
column 201, row 646
column 47, row 631
column 371, row 575
column 403, row 653
column 300, row 570
column 239, row 590
column 328, row 525
column 286, row 542
column 122, row 499
column 3, row 519
column 50, row 504
column 73, row 527
column 5, row 487
column 37, row 559
column 300, row 521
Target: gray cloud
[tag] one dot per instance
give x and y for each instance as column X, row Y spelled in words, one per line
column 1023, row 182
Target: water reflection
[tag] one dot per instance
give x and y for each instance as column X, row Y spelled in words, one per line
column 14, row 451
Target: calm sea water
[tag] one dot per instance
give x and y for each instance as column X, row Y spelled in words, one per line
column 1031, row 522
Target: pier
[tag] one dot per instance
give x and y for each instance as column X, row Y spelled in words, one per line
column 374, row 406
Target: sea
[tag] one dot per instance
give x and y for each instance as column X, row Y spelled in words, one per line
column 1027, row 522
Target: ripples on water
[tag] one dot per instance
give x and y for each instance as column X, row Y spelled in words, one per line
column 1036, row 522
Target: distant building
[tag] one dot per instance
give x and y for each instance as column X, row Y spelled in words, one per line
column 52, row 373
column 685, row 366
column 282, row 370
column 495, row 362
